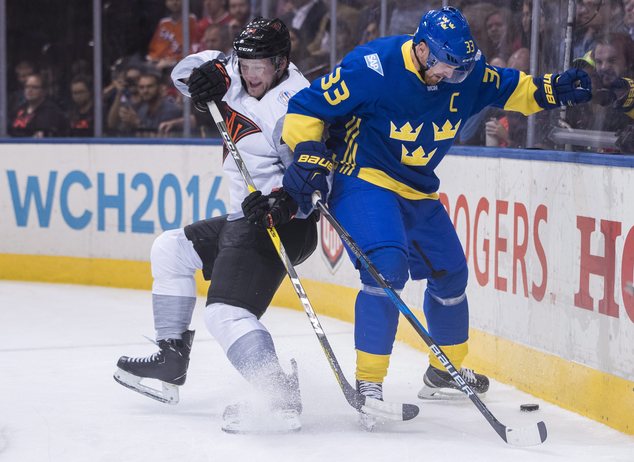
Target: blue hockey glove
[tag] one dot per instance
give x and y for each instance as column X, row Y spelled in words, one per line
column 566, row 89
column 277, row 208
column 308, row 173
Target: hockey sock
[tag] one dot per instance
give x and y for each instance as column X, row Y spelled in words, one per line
column 448, row 321
column 254, row 356
column 370, row 367
column 172, row 315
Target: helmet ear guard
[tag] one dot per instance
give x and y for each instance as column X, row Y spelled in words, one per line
column 448, row 37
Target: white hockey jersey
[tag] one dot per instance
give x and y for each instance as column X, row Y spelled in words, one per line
column 254, row 125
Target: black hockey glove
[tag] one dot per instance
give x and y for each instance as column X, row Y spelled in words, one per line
column 623, row 89
column 569, row 88
column 277, row 208
column 207, row 83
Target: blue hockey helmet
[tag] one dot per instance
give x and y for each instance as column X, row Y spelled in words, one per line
column 447, row 34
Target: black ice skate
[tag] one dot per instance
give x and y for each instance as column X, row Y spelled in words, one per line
column 169, row 365
column 279, row 414
column 371, row 390
column 438, row 384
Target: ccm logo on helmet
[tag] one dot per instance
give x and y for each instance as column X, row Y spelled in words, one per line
column 308, row 159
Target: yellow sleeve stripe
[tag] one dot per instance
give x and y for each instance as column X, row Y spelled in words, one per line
column 522, row 99
column 298, row 128
column 371, row 367
column 382, row 179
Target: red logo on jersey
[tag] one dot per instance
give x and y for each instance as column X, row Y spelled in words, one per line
column 238, row 125
column 331, row 245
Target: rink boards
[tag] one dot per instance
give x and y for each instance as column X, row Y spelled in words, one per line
column 549, row 239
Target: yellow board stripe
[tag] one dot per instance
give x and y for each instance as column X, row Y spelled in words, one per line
column 598, row 395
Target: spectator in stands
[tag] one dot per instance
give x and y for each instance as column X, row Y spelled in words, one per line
column 215, row 13
column 305, row 16
column 347, row 18
column 406, row 15
column 240, row 11
column 16, row 98
column 370, row 32
column 298, row 50
column 613, row 60
column 126, row 96
column 154, row 108
column 590, row 21
column 503, row 37
column 38, row 116
column 628, row 18
column 166, row 46
column 215, row 37
column 81, row 114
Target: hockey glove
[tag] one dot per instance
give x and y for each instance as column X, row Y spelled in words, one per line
column 278, row 208
column 207, row 83
column 566, row 89
column 624, row 95
column 308, row 173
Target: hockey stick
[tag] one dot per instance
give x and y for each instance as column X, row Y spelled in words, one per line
column 362, row 403
column 525, row 436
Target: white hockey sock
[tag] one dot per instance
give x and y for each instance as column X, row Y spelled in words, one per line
column 172, row 315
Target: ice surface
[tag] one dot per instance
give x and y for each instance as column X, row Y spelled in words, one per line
column 59, row 403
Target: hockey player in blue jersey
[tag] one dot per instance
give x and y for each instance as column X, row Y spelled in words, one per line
column 392, row 110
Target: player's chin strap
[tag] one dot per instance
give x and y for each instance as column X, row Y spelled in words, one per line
column 525, row 436
column 362, row 403
column 422, row 68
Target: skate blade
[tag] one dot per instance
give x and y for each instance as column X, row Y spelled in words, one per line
column 446, row 394
column 253, row 421
column 168, row 395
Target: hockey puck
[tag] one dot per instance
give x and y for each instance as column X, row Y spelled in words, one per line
column 529, row 407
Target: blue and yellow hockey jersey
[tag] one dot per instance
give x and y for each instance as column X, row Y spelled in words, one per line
column 386, row 126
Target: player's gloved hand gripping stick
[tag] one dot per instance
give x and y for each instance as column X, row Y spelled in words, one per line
column 525, row 436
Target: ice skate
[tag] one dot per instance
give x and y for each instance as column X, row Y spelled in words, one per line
column 438, row 384
column 277, row 415
column 372, row 390
column 168, row 365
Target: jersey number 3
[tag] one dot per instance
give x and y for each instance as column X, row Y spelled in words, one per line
column 339, row 93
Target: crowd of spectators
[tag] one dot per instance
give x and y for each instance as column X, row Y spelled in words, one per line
column 144, row 40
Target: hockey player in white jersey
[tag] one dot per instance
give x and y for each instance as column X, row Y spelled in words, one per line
column 252, row 87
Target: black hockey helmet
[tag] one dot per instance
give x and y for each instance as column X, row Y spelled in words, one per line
column 263, row 38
